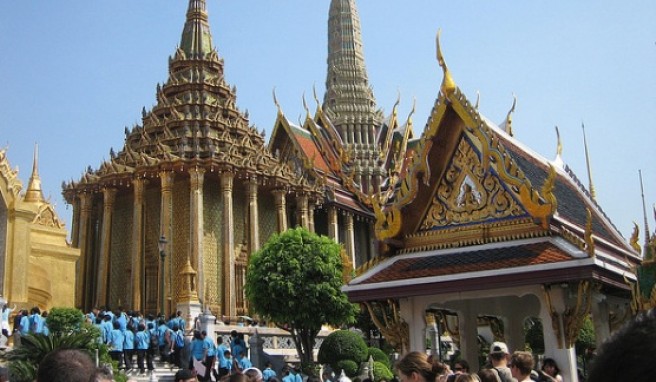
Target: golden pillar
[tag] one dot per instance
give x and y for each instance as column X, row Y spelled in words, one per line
column 303, row 211
column 138, row 243
column 196, row 179
column 230, row 295
column 83, row 238
column 166, row 208
column 109, row 196
column 254, row 230
column 350, row 237
column 333, row 224
column 281, row 209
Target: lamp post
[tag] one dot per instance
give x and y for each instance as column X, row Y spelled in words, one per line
column 161, row 244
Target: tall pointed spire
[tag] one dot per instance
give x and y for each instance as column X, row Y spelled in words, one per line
column 34, row 192
column 593, row 194
column 347, row 84
column 196, row 36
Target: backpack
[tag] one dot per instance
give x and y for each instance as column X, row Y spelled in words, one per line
column 503, row 375
column 179, row 339
column 154, row 339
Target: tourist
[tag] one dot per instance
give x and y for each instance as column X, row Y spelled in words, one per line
column 459, row 367
column 46, row 330
column 253, row 374
column 128, row 348
column 210, row 356
column 416, row 367
column 24, row 325
column 287, row 375
column 550, row 371
column 220, row 354
column 268, row 372
column 499, row 357
column 116, row 343
column 185, row 375
column 628, row 355
column 243, row 361
column 142, row 343
column 487, row 375
column 36, row 321
column 521, row 365
column 466, row 377
column 178, row 346
column 225, row 364
column 198, row 350
column 66, row 365
column 164, row 341
column 6, row 312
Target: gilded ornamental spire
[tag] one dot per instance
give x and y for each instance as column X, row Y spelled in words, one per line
column 196, row 36
column 34, row 192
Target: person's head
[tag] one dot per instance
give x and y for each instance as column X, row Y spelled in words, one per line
column 36, row 310
column 254, row 374
column 219, row 340
column 550, row 367
column 185, row 375
column 415, row 367
column 197, row 335
column 238, row 378
column 487, row 375
column 116, row 325
column 461, row 366
column 227, row 354
column 466, row 377
column 499, row 354
column 102, row 374
column 521, row 364
column 629, row 353
column 66, row 365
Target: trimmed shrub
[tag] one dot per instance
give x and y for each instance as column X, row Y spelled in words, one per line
column 381, row 371
column 343, row 345
column 379, row 356
column 350, row 367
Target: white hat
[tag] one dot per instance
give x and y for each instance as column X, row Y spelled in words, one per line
column 499, row 348
column 257, row 372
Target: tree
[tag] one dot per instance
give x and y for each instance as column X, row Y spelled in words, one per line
column 295, row 281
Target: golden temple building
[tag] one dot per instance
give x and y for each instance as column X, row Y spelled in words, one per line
column 32, row 244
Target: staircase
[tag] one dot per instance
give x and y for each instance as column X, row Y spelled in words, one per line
column 162, row 373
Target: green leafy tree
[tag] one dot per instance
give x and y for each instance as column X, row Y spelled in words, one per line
column 295, row 281
column 382, row 372
column 343, row 345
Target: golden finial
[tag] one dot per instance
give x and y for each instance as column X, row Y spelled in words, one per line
column 647, row 255
column 305, row 105
column 314, row 93
column 508, row 123
column 589, row 240
column 398, row 100
column 587, row 161
column 448, row 84
column 635, row 237
column 275, row 101
column 559, row 150
column 548, row 188
column 34, row 192
column 478, row 99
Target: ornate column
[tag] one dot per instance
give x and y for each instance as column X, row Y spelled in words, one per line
column 196, row 228
column 254, row 229
column 83, row 237
column 303, row 211
column 230, row 295
column 468, row 326
column 350, row 238
column 311, row 216
column 166, row 208
column 137, row 243
column 109, row 196
column 333, row 224
column 281, row 209
column 75, row 226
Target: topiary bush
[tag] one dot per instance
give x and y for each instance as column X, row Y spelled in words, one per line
column 379, row 356
column 343, row 345
column 349, row 366
column 382, row 372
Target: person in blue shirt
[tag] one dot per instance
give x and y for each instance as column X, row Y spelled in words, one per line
column 210, row 358
column 24, row 323
column 268, row 372
column 243, row 361
column 128, row 349
column 106, row 328
column 178, row 341
column 142, row 342
column 220, row 351
column 225, row 364
column 164, row 340
column 36, row 321
column 44, row 318
column 116, row 343
column 198, row 350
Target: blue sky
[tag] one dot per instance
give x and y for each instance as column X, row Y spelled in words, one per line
column 74, row 73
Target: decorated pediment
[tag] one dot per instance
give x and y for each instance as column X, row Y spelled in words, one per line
column 470, row 193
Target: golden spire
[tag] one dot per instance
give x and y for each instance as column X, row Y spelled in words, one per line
column 478, row 99
column 196, row 36
column 275, row 101
column 448, row 84
column 587, row 161
column 34, row 193
column 647, row 254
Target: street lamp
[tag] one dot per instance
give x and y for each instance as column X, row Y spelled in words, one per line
column 161, row 244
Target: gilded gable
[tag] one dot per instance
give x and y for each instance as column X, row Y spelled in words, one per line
column 470, row 193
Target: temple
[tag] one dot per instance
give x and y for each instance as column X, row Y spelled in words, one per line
column 32, row 243
column 459, row 228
